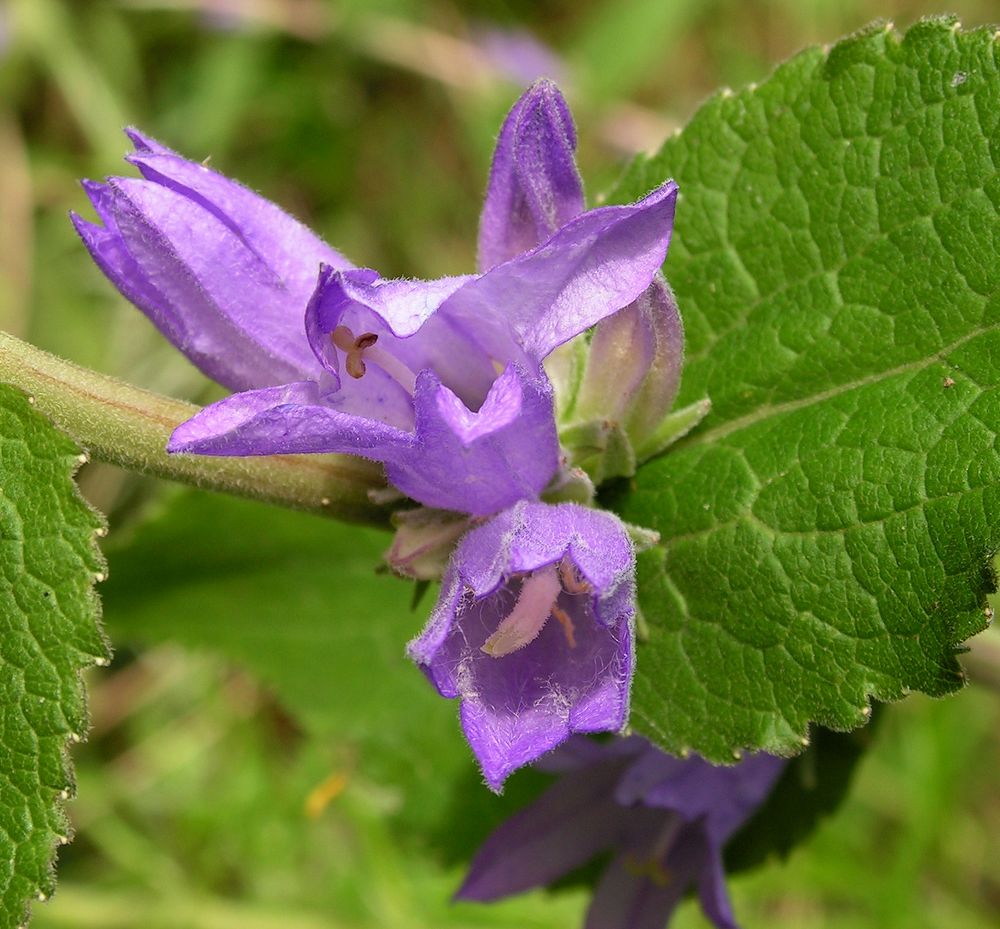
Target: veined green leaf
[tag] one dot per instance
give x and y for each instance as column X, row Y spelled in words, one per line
column 827, row 531
column 49, row 633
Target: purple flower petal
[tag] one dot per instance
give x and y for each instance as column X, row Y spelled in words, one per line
column 171, row 298
column 721, row 796
column 640, row 889
column 146, row 144
column 285, row 420
column 214, row 279
column 224, row 273
column 713, row 893
column 665, row 818
column 403, row 314
column 534, row 187
column 452, row 459
column 480, row 462
column 574, row 676
column 562, row 829
column 592, row 267
column 581, row 752
column 111, row 255
column 292, row 250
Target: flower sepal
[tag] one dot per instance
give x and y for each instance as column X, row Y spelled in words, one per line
column 601, row 448
column 424, row 540
column 673, row 427
column 570, row 485
column 604, row 449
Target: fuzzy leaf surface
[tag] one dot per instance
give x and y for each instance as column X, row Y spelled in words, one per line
column 827, row 531
column 49, row 633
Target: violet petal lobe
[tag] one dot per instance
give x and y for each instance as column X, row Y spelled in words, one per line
column 722, row 797
column 714, row 895
column 224, row 273
column 140, row 262
column 641, row 888
column 285, row 420
column 403, row 314
column 291, row 249
column 195, row 259
column 480, row 462
column 565, row 827
column 534, row 187
column 146, row 144
column 452, row 459
column 574, row 674
column 110, row 254
column 665, row 819
column 592, row 267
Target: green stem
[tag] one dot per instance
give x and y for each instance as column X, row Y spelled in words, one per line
column 129, row 427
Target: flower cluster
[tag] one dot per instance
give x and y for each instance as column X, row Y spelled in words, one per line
column 443, row 382
column 449, row 384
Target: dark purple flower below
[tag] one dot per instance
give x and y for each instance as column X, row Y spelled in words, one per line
column 665, row 821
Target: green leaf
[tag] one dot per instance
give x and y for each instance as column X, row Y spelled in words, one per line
column 827, row 530
column 49, row 633
column 297, row 600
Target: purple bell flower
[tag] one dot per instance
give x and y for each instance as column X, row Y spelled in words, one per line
column 223, row 273
column 534, row 631
column 665, row 820
column 442, row 381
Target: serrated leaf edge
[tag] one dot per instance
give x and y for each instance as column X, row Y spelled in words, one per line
column 73, row 464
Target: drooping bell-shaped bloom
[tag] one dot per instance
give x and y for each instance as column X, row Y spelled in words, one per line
column 516, row 53
column 665, row 821
column 442, row 381
column 534, row 631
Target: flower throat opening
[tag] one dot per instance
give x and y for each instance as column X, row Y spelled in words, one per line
column 536, row 602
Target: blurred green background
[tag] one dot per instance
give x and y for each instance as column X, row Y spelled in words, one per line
column 243, row 770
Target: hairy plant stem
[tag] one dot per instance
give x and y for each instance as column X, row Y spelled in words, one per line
column 126, row 426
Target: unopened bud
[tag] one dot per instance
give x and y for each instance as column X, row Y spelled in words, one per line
column 620, row 414
column 424, row 541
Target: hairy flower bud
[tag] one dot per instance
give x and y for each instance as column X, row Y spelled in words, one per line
column 424, row 541
column 620, row 413
column 223, row 273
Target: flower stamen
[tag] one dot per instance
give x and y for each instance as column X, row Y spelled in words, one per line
column 566, row 622
column 653, row 866
column 364, row 348
column 650, row 869
column 571, row 581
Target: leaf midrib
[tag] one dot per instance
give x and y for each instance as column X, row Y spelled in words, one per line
column 767, row 411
